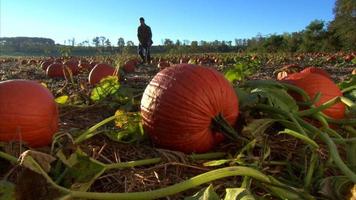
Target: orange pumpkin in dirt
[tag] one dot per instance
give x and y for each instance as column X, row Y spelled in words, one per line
column 72, row 65
column 130, row 66
column 28, row 113
column 45, row 64
column 180, row 103
column 58, row 70
column 99, row 72
column 316, row 71
column 312, row 83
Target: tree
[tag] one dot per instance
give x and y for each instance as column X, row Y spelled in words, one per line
column 121, row 42
column 314, row 36
column 168, row 42
column 107, row 42
column 102, row 40
column 274, row 43
column 343, row 27
column 96, row 41
column 130, row 43
column 178, row 43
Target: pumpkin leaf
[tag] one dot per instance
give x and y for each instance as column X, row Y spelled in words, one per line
column 205, row 194
column 107, row 86
column 7, row 190
column 82, row 170
column 262, row 83
column 351, row 95
column 277, row 98
column 130, row 127
column 62, row 99
column 238, row 194
column 348, row 83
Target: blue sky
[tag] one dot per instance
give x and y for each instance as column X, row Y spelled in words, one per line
column 175, row 19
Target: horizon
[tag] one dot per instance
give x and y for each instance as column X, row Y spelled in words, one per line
column 183, row 20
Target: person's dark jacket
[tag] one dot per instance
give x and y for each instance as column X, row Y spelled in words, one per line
column 144, row 35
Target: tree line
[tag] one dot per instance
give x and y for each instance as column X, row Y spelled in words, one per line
column 339, row 34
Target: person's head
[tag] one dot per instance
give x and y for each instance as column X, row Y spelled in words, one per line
column 142, row 21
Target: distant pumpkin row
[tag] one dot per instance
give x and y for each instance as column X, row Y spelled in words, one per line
column 57, row 69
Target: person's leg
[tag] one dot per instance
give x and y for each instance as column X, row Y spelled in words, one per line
column 148, row 54
column 140, row 52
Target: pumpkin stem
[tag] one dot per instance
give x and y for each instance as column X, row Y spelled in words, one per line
column 221, row 125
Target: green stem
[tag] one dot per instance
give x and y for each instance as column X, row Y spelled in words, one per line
column 322, row 107
column 8, row 157
column 351, row 122
column 222, row 125
column 151, row 161
column 300, row 128
column 316, row 98
column 207, row 156
column 351, row 130
column 185, row 185
column 348, row 89
column 347, row 102
column 332, row 149
column 132, row 163
column 89, row 133
column 300, row 91
column 309, row 175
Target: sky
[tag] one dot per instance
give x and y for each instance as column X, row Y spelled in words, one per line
column 190, row 20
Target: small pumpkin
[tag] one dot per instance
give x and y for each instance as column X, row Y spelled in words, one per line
column 45, row 64
column 99, row 72
column 55, row 70
column 180, row 103
column 130, row 66
column 28, row 113
column 72, row 65
column 312, row 83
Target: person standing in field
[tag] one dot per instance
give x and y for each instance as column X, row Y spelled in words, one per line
column 144, row 35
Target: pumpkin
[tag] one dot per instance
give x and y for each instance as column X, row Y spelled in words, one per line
column 72, row 65
column 45, row 65
column 99, row 72
column 28, row 113
column 312, row 83
column 130, row 66
column 55, row 70
column 317, row 71
column 353, row 72
column 84, row 65
column 179, row 104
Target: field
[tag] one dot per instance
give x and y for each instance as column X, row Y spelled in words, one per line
column 280, row 146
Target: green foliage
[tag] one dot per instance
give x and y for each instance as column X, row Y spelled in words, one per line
column 107, row 86
column 204, row 194
column 7, row 190
column 130, row 127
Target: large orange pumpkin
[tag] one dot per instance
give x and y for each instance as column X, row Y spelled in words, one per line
column 312, row 83
column 99, row 72
column 28, row 113
column 179, row 104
